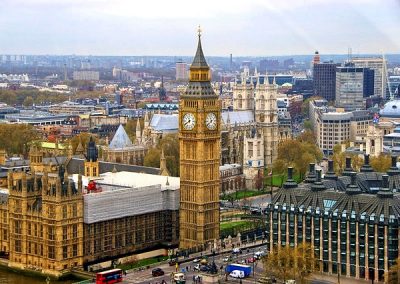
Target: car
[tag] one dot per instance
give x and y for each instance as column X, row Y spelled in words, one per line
column 204, row 268
column 236, row 250
column 196, row 260
column 196, row 267
column 172, row 262
column 227, row 259
column 157, row 272
column 251, row 260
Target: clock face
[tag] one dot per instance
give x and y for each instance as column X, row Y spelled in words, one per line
column 211, row 121
column 188, row 121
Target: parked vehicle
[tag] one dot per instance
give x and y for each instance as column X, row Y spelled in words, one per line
column 179, row 278
column 234, row 266
column 157, row 272
column 227, row 259
column 251, row 260
column 172, row 262
column 236, row 250
column 237, row 274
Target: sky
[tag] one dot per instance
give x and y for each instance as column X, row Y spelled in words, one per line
column 169, row 27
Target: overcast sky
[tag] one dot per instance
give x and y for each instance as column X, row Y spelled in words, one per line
column 168, row 27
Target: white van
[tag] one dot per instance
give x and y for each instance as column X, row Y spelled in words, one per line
column 237, row 274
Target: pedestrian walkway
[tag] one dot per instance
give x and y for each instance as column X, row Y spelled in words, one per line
column 323, row 278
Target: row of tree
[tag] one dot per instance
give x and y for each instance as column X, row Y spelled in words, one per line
column 286, row 263
column 297, row 153
column 170, row 144
column 379, row 163
column 16, row 138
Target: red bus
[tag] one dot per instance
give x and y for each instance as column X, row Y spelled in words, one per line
column 109, row 276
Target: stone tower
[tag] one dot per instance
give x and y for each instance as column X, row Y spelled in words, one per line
column 91, row 162
column 199, row 141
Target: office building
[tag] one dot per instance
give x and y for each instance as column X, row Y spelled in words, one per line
column 325, row 80
column 378, row 64
column 351, row 221
column 353, row 85
column 181, row 71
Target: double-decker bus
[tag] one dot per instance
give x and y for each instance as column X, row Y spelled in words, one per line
column 109, row 276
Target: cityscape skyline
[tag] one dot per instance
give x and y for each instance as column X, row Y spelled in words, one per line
column 98, row 27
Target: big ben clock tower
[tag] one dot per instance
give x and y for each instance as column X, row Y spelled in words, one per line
column 199, row 141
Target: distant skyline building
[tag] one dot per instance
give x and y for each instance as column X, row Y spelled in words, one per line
column 378, row 64
column 353, row 85
column 181, row 71
column 325, row 80
column 86, row 75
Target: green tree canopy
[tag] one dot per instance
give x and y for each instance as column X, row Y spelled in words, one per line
column 297, row 153
column 170, row 144
column 381, row 163
column 15, row 138
column 291, row 263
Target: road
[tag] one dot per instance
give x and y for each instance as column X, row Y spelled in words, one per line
column 144, row 277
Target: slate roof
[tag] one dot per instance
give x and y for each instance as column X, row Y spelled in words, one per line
column 120, row 139
column 238, row 117
column 365, row 194
column 165, row 122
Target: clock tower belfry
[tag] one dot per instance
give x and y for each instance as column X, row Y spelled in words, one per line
column 200, row 151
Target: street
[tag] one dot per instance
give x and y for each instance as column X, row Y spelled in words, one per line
column 145, row 276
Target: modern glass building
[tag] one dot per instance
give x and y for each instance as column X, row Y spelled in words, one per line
column 350, row 220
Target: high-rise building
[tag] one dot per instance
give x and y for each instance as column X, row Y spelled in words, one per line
column 200, row 151
column 378, row 64
column 353, row 85
column 181, row 71
column 325, row 80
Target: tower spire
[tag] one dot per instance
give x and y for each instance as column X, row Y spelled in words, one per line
column 199, row 60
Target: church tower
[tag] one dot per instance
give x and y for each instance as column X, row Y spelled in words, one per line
column 200, row 150
column 91, row 163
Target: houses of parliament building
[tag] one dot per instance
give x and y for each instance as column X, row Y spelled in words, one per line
column 58, row 213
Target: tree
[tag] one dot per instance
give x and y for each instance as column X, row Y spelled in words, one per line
column 394, row 272
column 28, row 101
column 381, row 163
column 298, row 153
column 152, row 158
column 307, row 124
column 15, row 138
column 291, row 263
column 279, row 169
column 81, row 138
column 306, row 105
column 339, row 159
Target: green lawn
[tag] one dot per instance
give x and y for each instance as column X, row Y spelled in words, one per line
column 233, row 225
column 241, row 194
column 278, row 180
column 142, row 262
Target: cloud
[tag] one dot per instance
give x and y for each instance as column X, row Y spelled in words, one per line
column 252, row 27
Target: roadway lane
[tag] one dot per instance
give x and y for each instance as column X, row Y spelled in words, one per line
column 144, row 277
